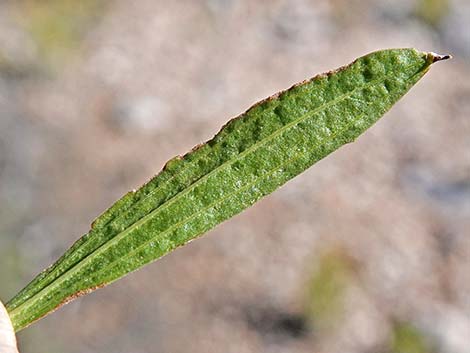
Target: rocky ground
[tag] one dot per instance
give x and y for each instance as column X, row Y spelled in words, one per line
column 368, row 251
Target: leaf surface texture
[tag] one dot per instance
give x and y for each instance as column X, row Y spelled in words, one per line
column 251, row 156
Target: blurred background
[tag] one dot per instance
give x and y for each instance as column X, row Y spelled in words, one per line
column 366, row 252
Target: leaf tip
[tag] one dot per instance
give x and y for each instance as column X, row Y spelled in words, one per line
column 438, row 57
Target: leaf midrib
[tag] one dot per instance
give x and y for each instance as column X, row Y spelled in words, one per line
column 167, row 203
column 245, row 187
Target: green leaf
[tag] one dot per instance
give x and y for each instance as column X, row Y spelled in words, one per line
column 251, row 156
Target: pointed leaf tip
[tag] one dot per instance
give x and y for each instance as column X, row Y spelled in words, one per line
column 438, row 57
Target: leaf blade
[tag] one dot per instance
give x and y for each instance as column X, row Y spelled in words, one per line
column 250, row 157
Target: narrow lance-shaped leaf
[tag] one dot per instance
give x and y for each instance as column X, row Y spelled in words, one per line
column 250, row 157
